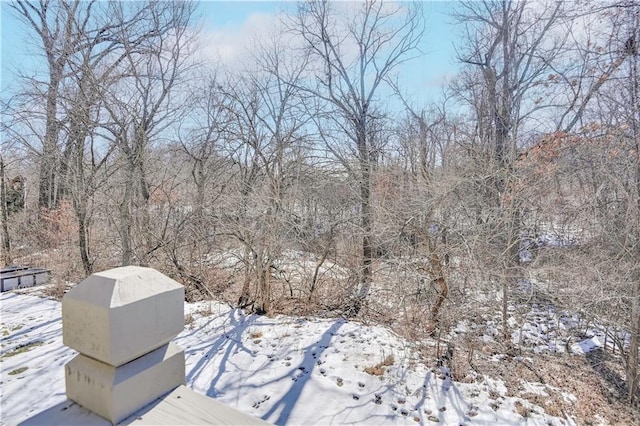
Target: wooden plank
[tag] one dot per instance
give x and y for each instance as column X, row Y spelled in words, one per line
column 181, row 406
column 186, row 407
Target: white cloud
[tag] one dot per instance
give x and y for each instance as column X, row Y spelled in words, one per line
column 231, row 45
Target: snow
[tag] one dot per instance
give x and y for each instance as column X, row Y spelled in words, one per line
column 587, row 345
column 551, row 238
column 285, row 370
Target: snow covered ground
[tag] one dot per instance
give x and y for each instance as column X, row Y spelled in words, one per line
column 285, row 370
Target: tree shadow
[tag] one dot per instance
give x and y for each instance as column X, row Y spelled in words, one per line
column 229, row 342
column 284, row 406
column 65, row 413
column 597, row 359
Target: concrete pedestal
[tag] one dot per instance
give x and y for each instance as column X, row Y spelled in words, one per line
column 121, row 322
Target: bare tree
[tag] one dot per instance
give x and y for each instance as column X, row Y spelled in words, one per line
column 508, row 47
column 142, row 105
column 516, row 76
column 91, row 70
column 353, row 58
column 270, row 126
column 58, row 26
column 85, row 49
column 619, row 107
column 425, row 202
column 195, row 222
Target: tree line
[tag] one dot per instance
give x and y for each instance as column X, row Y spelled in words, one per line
column 311, row 179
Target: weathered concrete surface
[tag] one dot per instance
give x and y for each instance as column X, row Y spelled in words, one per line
column 186, row 407
column 116, row 392
column 121, row 314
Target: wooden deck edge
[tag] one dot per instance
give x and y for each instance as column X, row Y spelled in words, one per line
column 183, row 406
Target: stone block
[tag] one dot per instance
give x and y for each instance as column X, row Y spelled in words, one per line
column 117, row 392
column 121, row 314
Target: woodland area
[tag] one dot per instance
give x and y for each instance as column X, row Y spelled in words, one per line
column 310, row 183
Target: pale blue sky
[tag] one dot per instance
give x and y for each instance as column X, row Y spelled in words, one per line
column 228, row 21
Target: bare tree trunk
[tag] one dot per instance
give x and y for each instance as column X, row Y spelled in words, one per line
column 141, row 147
column 245, row 293
column 437, row 271
column 6, row 242
column 367, row 229
column 47, row 196
column 264, row 285
column 80, row 126
column 323, row 257
column 83, row 239
column 633, row 361
column 126, row 217
column 79, row 192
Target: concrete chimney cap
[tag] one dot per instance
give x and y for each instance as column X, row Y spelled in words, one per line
column 121, row 314
column 121, row 286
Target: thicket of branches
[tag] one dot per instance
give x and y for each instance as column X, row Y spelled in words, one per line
column 309, row 182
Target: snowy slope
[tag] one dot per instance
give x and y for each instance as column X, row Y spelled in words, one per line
column 284, row 370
